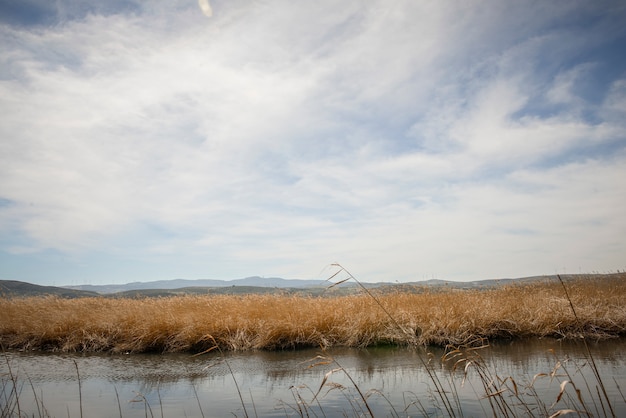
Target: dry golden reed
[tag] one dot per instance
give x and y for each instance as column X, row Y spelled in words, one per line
column 196, row 323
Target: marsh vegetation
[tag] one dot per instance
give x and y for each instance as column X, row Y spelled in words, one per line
column 417, row 316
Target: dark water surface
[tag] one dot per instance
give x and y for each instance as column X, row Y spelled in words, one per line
column 394, row 380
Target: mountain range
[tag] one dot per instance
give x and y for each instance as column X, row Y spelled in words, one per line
column 255, row 284
column 254, row 281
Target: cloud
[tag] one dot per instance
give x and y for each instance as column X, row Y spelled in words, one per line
column 408, row 138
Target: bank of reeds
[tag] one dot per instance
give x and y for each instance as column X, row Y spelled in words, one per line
column 196, row 323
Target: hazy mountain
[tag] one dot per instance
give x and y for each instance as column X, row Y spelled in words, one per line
column 276, row 282
column 12, row 288
column 254, row 281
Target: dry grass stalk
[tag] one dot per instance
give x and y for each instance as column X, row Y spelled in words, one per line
column 196, row 323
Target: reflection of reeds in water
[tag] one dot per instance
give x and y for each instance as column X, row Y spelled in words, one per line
column 421, row 317
column 565, row 389
column 560, row 391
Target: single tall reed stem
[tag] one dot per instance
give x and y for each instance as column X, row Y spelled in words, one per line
column 230, row 370
column 591, row 359
column 80, row 391
column 13, row 378
column 411, row 336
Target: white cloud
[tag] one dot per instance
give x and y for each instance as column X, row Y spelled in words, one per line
column 401, row 138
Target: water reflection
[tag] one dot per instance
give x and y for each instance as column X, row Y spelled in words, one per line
column 272, row 383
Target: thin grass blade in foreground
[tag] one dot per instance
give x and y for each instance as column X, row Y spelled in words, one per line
column 12, row 399
column 590, row 356
column 441, row 392
column 345, row 372
column 232, row 374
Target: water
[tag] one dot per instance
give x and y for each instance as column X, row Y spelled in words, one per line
column 280, row 384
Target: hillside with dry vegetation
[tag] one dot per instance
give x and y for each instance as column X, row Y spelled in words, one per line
column 244, row 322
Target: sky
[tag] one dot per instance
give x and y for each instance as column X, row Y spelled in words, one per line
column 407, row 140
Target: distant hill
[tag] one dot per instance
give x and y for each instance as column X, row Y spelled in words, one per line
column 164, row 288
column 237, row 290
column 14, row 288
column 254, row 281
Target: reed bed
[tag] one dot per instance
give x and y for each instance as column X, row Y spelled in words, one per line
column 271, row 322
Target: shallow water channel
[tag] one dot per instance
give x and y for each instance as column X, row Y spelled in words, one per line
column 395, row 382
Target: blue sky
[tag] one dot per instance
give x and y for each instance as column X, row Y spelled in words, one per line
column 406, row 140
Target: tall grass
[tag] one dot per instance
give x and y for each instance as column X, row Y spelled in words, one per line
column 269, row 322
